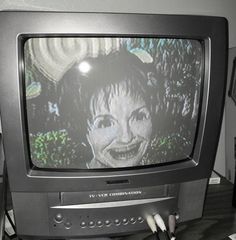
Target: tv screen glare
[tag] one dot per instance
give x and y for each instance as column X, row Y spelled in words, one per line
column 112, row 102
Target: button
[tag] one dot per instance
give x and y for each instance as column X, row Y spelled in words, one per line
column 117, row 221
column 58, row 218
column 140, row 219
column 83, row 224
column 91, row 224
column 67, row 224
column 108, row 222
column 99, row 223
column 125, row 221
column 132, row 220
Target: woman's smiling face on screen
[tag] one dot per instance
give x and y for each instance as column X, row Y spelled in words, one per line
column 120, row 133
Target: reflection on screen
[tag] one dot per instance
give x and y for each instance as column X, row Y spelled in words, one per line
column 95, row 103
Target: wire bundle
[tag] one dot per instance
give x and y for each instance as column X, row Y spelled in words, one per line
column 158, row 227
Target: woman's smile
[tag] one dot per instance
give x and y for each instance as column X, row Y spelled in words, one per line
column 126, row 152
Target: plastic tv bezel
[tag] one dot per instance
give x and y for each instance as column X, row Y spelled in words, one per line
column 15, row 27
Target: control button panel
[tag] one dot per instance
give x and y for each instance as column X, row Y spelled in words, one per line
column 62, row 221
column 111, row 221
column 99, row 223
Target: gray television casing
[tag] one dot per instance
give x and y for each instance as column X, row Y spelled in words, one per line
column 58, row 203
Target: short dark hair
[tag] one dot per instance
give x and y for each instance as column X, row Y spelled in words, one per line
column 76, row 88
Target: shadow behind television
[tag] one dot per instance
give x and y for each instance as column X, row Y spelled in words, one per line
column 105, row 117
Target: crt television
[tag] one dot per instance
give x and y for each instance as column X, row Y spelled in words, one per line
column 104, row 115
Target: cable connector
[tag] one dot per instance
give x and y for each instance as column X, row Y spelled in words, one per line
column 151, row 223
column 160, row 222
column 172, row 224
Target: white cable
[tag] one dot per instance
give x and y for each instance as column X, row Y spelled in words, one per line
column 151, row 223
column 172, row 223
column 160, row 223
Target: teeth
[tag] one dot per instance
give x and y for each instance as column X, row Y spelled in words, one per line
column 127, row 148
column 121, row 154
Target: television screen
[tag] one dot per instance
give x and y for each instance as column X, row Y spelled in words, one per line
column 112, row 102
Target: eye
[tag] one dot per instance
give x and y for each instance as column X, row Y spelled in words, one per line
column 141, row 114
column 103, row 122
